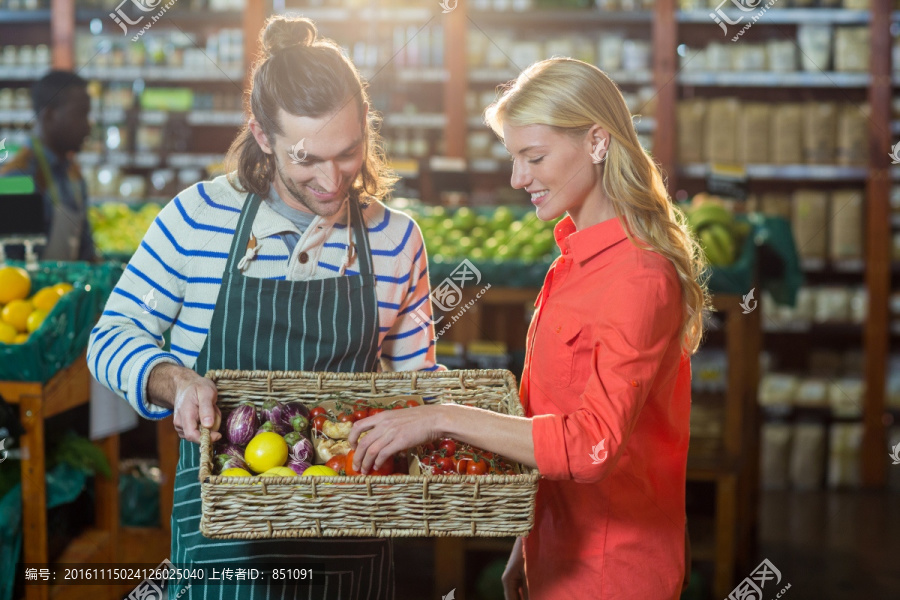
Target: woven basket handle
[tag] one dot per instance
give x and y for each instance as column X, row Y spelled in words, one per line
column 205, row 453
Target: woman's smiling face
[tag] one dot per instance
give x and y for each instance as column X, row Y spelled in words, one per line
column 554, row 167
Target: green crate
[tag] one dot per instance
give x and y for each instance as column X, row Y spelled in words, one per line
column 63, row 335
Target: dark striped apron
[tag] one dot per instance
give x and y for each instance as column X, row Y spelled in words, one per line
column 319, row 325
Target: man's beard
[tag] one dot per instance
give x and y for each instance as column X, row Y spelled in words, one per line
column 297, row 195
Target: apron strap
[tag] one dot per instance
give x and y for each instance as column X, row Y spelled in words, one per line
column 362, row 238
column 242, row 232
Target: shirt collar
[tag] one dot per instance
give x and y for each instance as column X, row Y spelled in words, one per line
column 589, row 242
column 268, row 222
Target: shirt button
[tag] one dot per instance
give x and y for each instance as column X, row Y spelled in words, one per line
column 303, row 258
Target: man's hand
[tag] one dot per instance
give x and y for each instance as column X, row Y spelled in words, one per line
column 193, row 398
column 514, row 587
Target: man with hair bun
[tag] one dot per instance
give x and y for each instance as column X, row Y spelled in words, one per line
column 288, row 262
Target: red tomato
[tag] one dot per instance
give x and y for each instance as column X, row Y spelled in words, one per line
column 487, row 455
column 316, row 412
column 360, row 414
column 463, row 465
column 448, row 445
column 386, row 469
column 477, row 467
column 411, row 403
column 397, row 407
column 348, row 464
column 445, row 464
column 375, row 410
column 346, row 418
column 337, row 463
column 426, row 460
column 318, row 421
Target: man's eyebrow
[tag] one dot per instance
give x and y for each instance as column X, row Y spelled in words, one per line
column 312, row 157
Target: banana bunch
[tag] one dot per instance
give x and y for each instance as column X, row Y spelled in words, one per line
column 719, row 234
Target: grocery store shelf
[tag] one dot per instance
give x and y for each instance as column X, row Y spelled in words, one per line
column 775, row 79
column 181, row 17
column 895, row 173
column 10, row 17
column 895, row 220
column 435, row 74
column 162, row 74
column 895, row 127
column 489, row 75
column 130, row 201
column 814, row 265
column 16, row 116
column 184, row 160
column 112, row 116
column 807, row 328
column 513, row 18
column 148, row 160
column 423, row 120
column 230, row 118
column 787, row 172
column 785, row 16
column 341, row 15
column 22, row 73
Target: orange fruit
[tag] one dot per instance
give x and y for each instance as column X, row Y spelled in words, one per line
column 16, row 314
column 15, row 284
column 265, row 451
column 46, row 298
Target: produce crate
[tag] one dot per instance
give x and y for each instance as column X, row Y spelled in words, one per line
column 63, row 335
column 366, row 505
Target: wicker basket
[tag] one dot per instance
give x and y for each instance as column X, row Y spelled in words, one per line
column 366, row 505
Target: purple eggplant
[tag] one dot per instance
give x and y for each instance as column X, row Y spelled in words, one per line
column 290, row 414
column 267, row 426
column 227, row 461
column 300, row 424
column 272, row 410
column 303, row 450
column 292, row 438
column 242, row 424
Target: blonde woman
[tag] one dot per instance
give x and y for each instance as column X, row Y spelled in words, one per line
column 606, row 385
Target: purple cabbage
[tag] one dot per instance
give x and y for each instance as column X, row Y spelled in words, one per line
column 302, row 450
column 242, row 424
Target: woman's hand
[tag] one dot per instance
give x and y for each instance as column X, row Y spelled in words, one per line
column 514, row 587
column 390, row 432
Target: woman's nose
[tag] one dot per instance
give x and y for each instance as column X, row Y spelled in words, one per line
column 520, row 177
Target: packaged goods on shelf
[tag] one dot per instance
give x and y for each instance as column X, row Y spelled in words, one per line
column 851, row 49
column 845, row 397
column 775, row 455
column 786, row 134
column 26, row 55
column 819, row 126
column 809, row 222
column 753, row 133
column 749, row 57
column 812, row 392
column 846, row 224
column 778, row 389
column 720, row 143
column 815, row 42
column 844, row 456
column 710, row 370
column 609, row 51
column 825, row 363
column 781, row 56
column 690, row 124
column 808, row 456
column 852, row 147
column 776, row 204
column 832, row 305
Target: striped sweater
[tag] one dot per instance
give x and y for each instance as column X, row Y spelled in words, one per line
column 173, row 280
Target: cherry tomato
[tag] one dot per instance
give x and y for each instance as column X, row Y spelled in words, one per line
column 397, row 407
column 346, row 418
column 360, row 414
column 487, row 455
column 319, row 410
column 445, row 464
column 463, row 465
column 375, row 410
column 386, row 469
column 477, row 467
column 411, row 403
column 449, row 446
column 318, row 421
column 426, row 460
column 337, row 463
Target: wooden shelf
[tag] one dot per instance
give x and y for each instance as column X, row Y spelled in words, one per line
column 787, row 16
column 774, row 79
column 18, row 17
column 786, row 172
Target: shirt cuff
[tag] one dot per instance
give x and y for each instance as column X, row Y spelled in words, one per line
column 137, row 383
column 550, row 446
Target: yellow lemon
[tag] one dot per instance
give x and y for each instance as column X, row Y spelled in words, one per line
column 279, row 472
column 16, row 314
column 319, row 471
column 236, row 472
column 266, row 450
column 21, row 338
column 63, row 288
column 15, row 284
column 46, row 299
column 35, row 319
column 7, row 333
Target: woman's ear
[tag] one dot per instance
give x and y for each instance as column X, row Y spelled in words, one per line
column 260, row 136
column 596, row 135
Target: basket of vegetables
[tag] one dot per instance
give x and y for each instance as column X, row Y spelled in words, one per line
column 284, row 467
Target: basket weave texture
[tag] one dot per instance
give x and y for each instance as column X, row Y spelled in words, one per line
column 366, row 505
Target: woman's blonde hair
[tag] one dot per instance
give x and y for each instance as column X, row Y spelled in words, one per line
column 572, row 96
column 307, row 76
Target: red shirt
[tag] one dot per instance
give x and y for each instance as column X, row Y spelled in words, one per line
column 608, row 385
